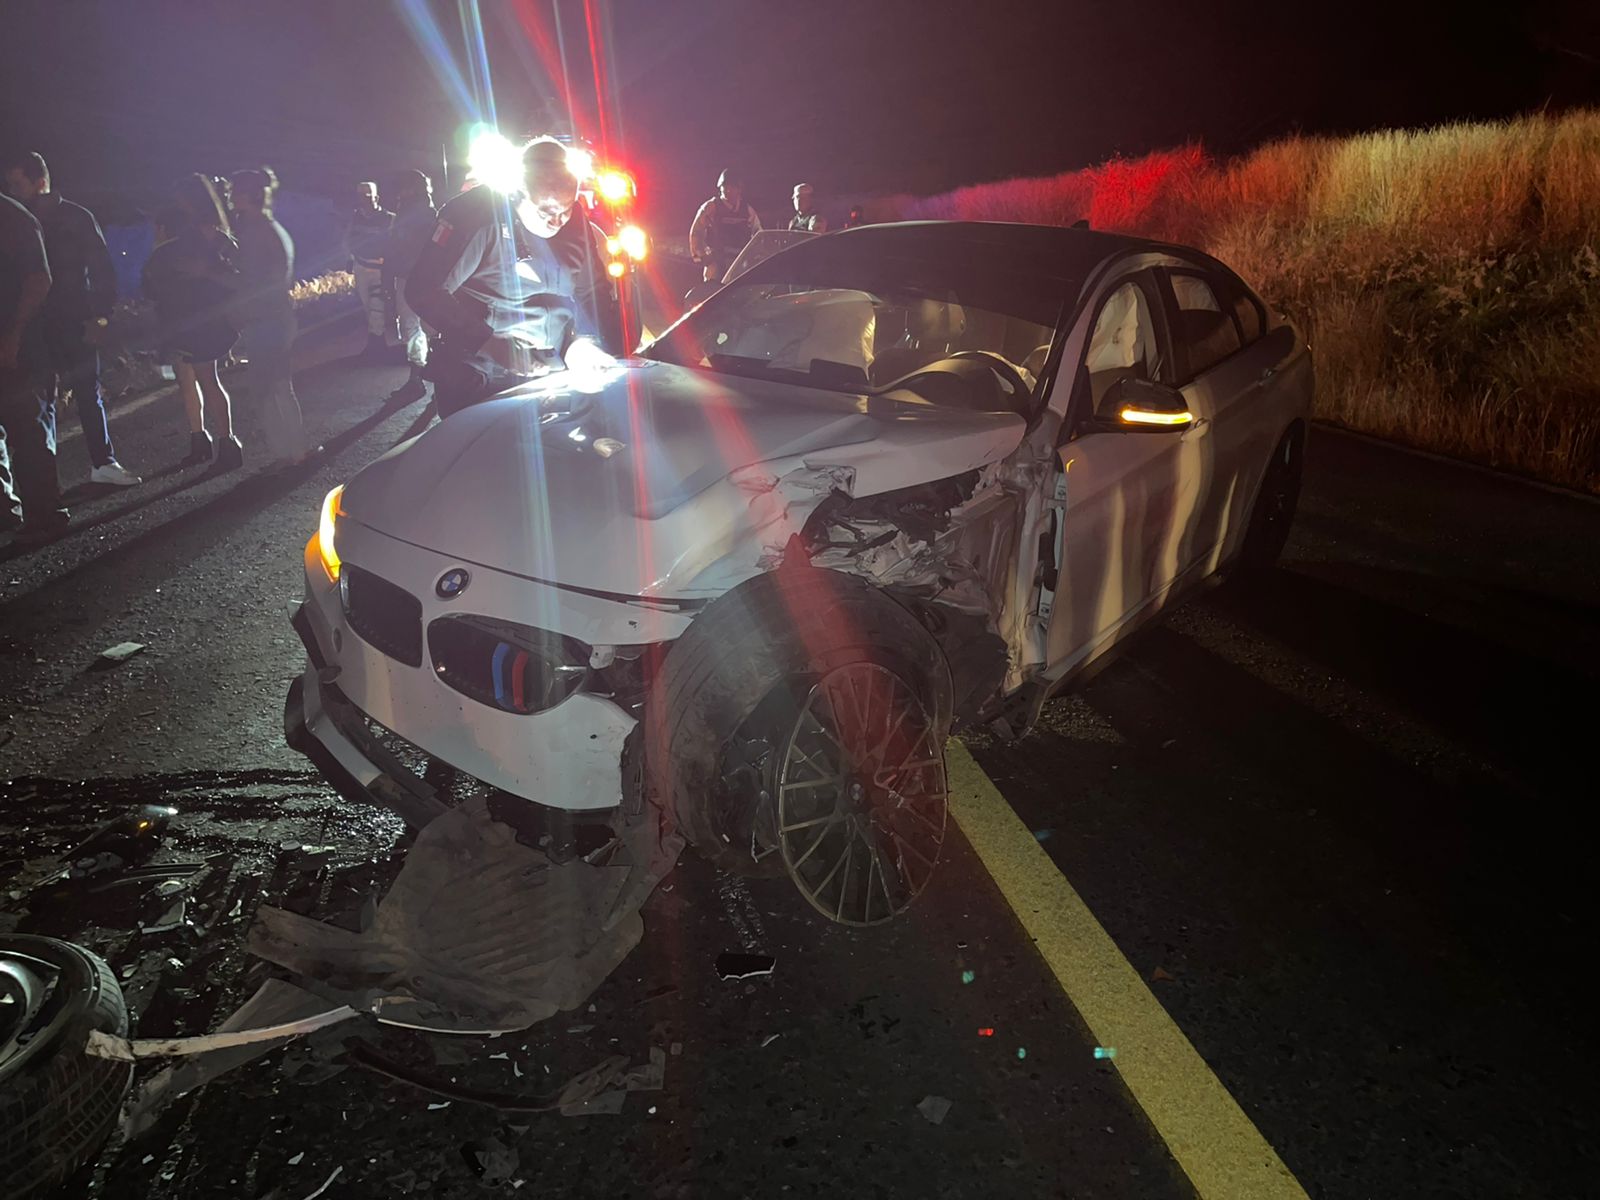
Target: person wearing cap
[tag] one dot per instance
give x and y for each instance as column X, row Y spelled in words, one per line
column 512, row 282
column 721, row 227
column 806, row 218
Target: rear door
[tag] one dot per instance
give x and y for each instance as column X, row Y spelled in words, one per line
column 1226, row 370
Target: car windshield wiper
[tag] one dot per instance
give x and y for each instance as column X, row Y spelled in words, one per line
column 823, row 372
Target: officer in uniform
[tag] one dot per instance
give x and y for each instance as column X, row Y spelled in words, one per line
column 722, row 227
column 512, row 283
column 806, row 218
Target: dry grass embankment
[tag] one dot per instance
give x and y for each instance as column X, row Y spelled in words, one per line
column 1448, row 278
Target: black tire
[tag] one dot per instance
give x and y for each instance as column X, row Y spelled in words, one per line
column 1273, row 511
column 57, row 1104
column 752, row 647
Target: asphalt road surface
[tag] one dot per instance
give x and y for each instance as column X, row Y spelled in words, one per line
column 1332, row 828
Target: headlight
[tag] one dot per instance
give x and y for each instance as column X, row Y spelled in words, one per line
column 325, row 532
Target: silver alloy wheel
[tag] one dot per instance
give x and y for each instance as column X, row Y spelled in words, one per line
column 862, row 796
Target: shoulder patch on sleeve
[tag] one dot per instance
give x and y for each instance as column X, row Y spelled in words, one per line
column 442, row 232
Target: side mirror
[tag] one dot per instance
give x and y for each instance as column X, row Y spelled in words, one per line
column 1143, row 406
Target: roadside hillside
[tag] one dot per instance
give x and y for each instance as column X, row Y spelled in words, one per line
column 1448, row 278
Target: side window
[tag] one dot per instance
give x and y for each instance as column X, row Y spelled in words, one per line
column 1247, row 314
column 1123, row 345
column 1204, row 330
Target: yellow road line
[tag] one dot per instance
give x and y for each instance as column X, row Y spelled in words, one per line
column 1218, row 1147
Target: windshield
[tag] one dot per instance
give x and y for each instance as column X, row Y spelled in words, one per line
column 878, row 327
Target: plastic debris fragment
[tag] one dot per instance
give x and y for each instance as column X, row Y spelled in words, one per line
column 1105, row 1051
column 986, row 1031
column 934, row 1109
column 744, row 966
column 968, row 976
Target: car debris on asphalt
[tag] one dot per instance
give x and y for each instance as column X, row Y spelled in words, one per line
column 934, row 1109
column 733, row 966
column 119, row 653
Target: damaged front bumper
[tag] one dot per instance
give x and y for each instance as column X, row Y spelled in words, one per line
column 376, row 724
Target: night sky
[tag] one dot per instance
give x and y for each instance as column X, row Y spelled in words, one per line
column 858, row 96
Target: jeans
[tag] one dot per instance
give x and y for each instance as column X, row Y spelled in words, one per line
column 369, row 287
column 269, row 347
column 29, row 486
column 77, row 369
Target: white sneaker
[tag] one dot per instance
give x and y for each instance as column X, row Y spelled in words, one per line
column 115, row 474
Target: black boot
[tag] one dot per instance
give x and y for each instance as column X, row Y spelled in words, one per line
column 230, row 455
column 200, row 450
column 411, row 390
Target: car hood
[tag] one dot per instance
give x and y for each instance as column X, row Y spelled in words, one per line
column 632, row 487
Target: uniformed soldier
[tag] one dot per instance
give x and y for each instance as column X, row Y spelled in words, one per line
column 512, row 282
column 722, row 227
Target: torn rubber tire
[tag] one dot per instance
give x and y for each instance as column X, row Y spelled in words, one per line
column 1273, row 512
column 764, row 643
column 57, row 1104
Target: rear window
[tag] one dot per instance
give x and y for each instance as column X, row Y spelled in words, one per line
column 1204, row 329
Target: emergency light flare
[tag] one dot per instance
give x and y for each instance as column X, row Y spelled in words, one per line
column 615, row 187
column 634, row 242
column 495, row 161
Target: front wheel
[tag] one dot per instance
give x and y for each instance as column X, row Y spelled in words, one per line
column 798, row 726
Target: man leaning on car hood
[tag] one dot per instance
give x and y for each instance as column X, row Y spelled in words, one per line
column 511, row 283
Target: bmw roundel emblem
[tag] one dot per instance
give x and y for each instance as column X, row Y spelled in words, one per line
column 452, row 583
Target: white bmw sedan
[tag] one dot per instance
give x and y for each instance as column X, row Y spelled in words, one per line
column 888, row 483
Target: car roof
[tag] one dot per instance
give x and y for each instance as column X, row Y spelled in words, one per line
column 1054, row 251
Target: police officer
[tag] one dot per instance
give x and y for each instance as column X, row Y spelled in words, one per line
column 722, row 227
column 76, row 318
column 512, row 283
column 806, row 218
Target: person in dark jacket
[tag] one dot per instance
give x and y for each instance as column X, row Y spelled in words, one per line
column 414, row 222
column 78, row 314
column 265, row 315
column 30, row 500
column 191, row 277
column 512, row 282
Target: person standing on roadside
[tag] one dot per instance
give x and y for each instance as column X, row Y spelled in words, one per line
column 512, row 282
column 414, row 222
column 265, row 315
column 365, row 237
column 806, row 218
column 77, row 315
column 722, row 227
column 191, row 277
column 30, row 500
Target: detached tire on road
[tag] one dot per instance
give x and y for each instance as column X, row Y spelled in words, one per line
column 746, row 665
column 57, row 1105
